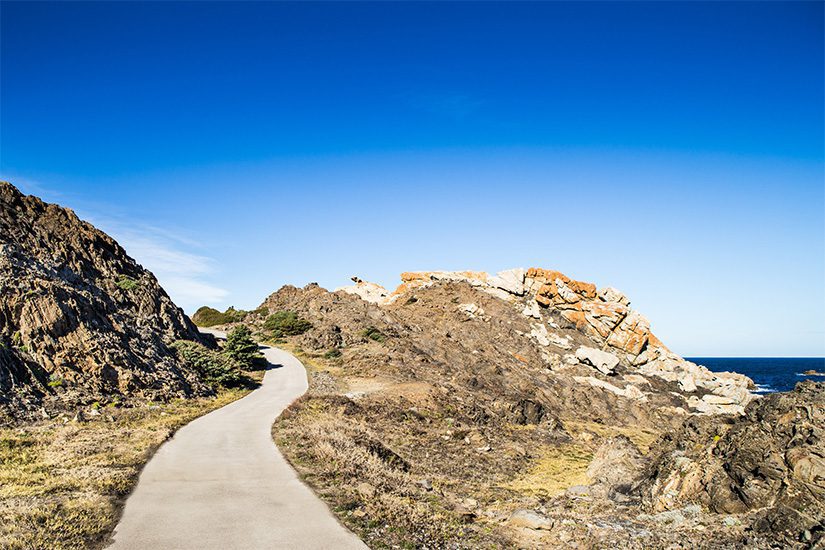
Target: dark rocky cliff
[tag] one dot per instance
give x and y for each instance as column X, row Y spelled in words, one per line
column 79, row 318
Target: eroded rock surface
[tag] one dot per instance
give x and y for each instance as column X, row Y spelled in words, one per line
column 79, row 318
column 615, row 333
column 501, row 388
column 768, row 464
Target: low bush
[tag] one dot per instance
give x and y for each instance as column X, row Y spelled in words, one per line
column 242, row 348
column 286, row 323
column 126, row 283
column 373, row 334
column 208, row 316
column 215, row 368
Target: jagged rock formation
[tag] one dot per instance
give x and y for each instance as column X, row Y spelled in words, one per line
column 768, row 464
column 548, row 413
column 616, row 333
column 79, row 319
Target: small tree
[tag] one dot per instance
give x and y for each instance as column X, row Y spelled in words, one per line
column 242, row 348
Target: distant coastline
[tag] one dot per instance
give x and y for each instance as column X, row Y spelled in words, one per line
column 770, row 374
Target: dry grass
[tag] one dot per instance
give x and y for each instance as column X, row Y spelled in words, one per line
column 365, row 483
column 643, row 438
column 555, row 470
column 62, row 483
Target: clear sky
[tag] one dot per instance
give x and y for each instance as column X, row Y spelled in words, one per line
column 672, row 150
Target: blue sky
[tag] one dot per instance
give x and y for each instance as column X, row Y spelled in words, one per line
column 673, row 150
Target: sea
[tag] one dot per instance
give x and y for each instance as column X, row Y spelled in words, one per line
column 770, row 374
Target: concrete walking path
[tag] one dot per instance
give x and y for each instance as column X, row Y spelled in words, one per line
column 221, row 483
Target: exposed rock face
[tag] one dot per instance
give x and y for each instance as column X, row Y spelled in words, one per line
column 370, row 292
column 616, row 462
column 604, row 361
column 78, row 317
column 615, row 334
column 769, row 463
column 518, row 380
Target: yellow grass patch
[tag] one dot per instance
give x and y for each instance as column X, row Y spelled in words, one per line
column 643, row 438
column 556, row 469
column 62, row 482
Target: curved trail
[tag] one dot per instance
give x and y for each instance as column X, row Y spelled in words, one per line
column 221, row 482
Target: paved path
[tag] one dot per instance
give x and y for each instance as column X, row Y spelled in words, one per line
column 221, row 482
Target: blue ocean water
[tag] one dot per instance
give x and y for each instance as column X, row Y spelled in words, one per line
column 769, row 373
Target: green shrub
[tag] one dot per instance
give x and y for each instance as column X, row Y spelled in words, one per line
column 55, row 381
column 208, row 317
column 373, row 334
column 286, row 323
column 126, row 283
column 213, row 367
column 242, row 348
column 235, row 315
column 332, row 354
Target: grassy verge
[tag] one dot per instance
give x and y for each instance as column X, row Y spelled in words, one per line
column 368, row 486
column 63, row 482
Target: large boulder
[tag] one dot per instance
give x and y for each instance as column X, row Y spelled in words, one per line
column 603, row 361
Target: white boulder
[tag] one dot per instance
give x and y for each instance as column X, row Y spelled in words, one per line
column 603, row 361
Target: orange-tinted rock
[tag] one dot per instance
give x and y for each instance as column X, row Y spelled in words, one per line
column 410, row 276
column 558, row 288
column 604, row 317
column 575, row 316
column 654, row 342
column 631, row 335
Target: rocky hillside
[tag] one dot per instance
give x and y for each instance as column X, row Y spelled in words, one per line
column 79, row 318
column 523, row 409
column 576, row 342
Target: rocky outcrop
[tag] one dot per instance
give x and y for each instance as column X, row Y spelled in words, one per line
column 370, row 292
column 558, row 391
column 616, row 334
column 79, row 319
column 768, row 464
column 603, row 361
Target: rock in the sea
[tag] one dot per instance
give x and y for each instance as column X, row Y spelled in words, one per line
column 603, row 361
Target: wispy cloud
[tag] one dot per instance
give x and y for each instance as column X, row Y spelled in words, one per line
column 168, row 253
column 182, row 273
column 31, row 187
